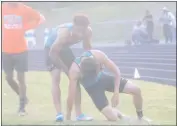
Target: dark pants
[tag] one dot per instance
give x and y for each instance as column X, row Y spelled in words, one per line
column 98, row 89
column 66, row 55
column 174, row 34
column 150, row 29
column 167, row 32
column 140, row 38
column 18, row 61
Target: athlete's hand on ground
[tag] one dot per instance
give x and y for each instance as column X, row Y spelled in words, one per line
column 115, row 99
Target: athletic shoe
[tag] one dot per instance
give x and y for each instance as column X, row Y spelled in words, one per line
column 22, row 112
column 83, row 117
column 144, row 119
column 124, row 117
column 59, row 117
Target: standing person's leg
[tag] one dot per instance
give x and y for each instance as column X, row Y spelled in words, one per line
column 165, row 32
column 55, row 89
column 21, row 66
column 170, row 33
column 8, row 67
column 56, row 93
column 174, row 35
column 68, row 57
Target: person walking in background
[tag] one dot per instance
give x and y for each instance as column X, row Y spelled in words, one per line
column 169, row 23
column 148, row 20
column 17, row 18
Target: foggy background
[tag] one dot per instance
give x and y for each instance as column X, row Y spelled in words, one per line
column 110, row 21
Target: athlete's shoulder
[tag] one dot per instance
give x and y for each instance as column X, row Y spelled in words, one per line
column 99, row 55
column 96, row 51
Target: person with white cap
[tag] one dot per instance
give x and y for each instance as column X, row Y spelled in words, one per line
column 169, row 23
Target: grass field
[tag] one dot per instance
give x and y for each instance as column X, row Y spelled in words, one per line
column 159, row 103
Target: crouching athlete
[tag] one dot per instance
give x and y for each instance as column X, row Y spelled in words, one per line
column 88, row 69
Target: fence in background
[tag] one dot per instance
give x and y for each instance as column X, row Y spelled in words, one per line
column 156, row 63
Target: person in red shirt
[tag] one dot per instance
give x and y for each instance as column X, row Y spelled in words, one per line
column 17, row 18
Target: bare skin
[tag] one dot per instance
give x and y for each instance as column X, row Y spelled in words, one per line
column 69, row 38
column 109, row 112
column 74, row 75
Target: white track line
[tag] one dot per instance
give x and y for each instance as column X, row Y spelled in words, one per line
column 126, row 52
column 130, row 55
column 158, row 78
column 148, row 63
column 145, row 59
column 149, row 69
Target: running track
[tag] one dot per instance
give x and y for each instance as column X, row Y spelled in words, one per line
column 156, row 63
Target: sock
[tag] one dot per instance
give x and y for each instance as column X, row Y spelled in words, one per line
column 22, row 103
column 139, row 114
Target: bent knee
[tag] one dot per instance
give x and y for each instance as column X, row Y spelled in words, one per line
column 133, row 89
column 109, row 113
column 136, row 91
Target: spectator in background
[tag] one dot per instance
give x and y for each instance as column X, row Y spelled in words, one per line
column 148, row 20
column 17, row 18
column 174, row 31
column 139, row 35
column 169, row 23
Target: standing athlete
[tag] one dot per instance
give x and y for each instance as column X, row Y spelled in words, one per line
column 60, row 57
column 88, row 69
column 16, row 20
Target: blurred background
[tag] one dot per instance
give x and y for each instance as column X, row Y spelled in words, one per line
column 110, row 21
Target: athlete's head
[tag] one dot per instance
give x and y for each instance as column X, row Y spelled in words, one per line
column 81, row 23
column 89, row 67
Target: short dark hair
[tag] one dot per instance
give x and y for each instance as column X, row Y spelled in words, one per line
column 81, row 19
column 89, row 66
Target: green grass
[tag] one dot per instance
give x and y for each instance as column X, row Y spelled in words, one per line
column 159, row 103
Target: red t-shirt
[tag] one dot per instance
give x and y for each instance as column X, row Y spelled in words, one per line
column 15, row 21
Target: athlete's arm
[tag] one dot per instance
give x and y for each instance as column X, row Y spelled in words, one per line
column 108, row 63
column 55, row 50
column 73, row 79
column 87, row 39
